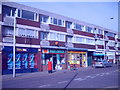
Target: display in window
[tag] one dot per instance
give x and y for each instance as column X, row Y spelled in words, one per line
column 25, row 61
column 31, row 62
column 18, row 62
column 10, row 61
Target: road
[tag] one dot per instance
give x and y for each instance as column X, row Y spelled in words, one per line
column 83, row 78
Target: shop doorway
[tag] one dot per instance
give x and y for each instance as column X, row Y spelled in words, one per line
column 54, row 62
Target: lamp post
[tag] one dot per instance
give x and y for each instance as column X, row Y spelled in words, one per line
column 14, row 42
column 105, row 43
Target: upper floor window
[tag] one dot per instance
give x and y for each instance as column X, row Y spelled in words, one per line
column 69, row 39
column 111, row 43
column 56, row 36
column 30, row 33
column 8, row 11
column 90, row 41
column 8, row 31
column 79, row 27
column 27, row 15
column 79, row 39
column 89, row 29
column 110, row 34
column 100, row 31
column 58, row 22
column 44, row 19
column 44, row 35
column 99, row 42
column 69, row 25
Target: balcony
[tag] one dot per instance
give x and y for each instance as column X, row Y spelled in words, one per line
column 44, row 43
column 70, row 45
column 70, row 32
column 8, row 39
column 9, row 21
column 106, row 38
column 44, row 27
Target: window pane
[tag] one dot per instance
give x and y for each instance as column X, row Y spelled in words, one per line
column 8, row 31
column 44, row 18
column 89, row 29
column 21, row 32
column 69, row 24
column 54, row 21
column 59, row 22
column 27, row 15
column 7, row 11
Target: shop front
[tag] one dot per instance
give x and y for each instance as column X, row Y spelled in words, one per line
column 111, row 56
column 25, row 60
column 98, row 56
column 78, row 58
column 57, row 57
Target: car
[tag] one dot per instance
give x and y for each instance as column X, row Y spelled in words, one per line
column 102, row 63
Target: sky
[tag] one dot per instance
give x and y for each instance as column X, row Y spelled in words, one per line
column 97, row 13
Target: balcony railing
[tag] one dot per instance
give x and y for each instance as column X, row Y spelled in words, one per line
column 44, row 27
column 44, row 43
column 8, row 20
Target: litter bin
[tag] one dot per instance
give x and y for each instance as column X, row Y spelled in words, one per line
column 49, row 67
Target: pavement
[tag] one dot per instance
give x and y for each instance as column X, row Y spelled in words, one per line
column 44, row 73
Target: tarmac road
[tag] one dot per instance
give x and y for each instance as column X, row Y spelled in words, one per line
column 81, row 78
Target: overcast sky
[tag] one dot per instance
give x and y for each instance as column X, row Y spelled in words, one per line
column 98, row 13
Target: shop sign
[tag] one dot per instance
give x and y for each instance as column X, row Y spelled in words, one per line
column 73, row 62
column 56, row 51
column 21, row 49
column 76, row 52
column 98, row 54
column 45, row 51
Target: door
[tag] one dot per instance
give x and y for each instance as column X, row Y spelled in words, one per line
column 54, row 62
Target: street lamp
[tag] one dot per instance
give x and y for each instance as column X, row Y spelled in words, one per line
column 104, row 42
column 14, row 42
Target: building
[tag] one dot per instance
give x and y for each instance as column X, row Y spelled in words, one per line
column 43, row 36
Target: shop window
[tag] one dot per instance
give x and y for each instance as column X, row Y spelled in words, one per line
column 23, row 61
column 8, row 31
column 27, row 15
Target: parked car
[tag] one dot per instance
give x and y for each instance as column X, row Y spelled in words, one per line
column 102, row 63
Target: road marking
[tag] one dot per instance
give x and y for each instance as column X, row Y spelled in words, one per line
column 107, row 73
column 79, row 79
column 87, row 76
column 62, row 82
column 44, row 85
